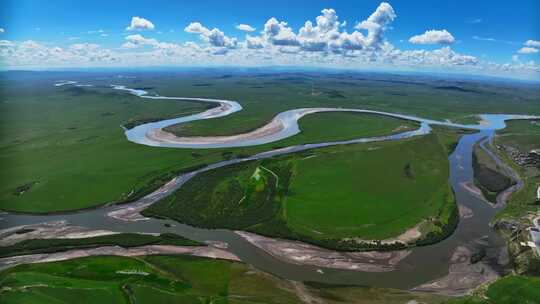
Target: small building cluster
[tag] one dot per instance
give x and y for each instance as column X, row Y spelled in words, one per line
column 523, row 159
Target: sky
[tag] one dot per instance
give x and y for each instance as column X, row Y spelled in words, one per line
column 497, row 38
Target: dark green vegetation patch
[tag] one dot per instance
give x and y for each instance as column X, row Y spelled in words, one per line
column 336, row 197
column 488, row 176
column 125, row 240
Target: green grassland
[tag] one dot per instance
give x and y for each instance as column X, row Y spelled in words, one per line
column 488, row 176
column 372, row 193
column 185, row 279
column 126, row 240
column 367, row 191
column 521, row 134
column 333, row 126
column 72, row 150
column 508, row 290
column 265, row 95
column 65, row 152
column 524, row 136
column 173, row 279
column 62, row 148
column 152, row 279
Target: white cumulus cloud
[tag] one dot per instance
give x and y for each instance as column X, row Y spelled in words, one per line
column 377, row 23
column 323, row 41
column 278, row 33
column 533, row 43
column 138, row 23
column 527, row 50
column 214, row 37
column 245, row 27
column 433, row 37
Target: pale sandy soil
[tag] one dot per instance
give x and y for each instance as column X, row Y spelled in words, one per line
column 48, row 230
column 131, row 212
column 159, row 135
column 463, row 276
column 407, row 237
column 306, row 254
column 465, row 212
column 471, row 187
column 275, row 126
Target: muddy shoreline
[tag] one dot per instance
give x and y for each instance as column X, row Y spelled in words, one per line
column 305, row 254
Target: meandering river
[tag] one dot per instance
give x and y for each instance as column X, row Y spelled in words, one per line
column 422, row 265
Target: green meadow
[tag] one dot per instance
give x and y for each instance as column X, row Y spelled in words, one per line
column 152, row 279
column 508, row 290
column 175, row 279
column 263, row 95
column 369, row 191
column 185, row 279
column 63, row 148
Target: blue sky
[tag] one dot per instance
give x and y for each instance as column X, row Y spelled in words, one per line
column 493, row 32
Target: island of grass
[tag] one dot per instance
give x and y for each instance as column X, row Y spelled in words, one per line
column 489, row 177
column 386, row 195
column 125, row 240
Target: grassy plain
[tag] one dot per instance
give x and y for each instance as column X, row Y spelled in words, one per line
column 376, row 192
column 263, row 95
column 184, row 279
column 508, row 290
column 175, row 279
column 367, row 191
column 152, row 279
column 334, row 126
column 62, row 148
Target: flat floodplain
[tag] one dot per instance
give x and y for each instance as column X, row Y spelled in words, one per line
column 374, row 191
column 174, row 279
column 369, row 191
column 63, row 148
column 152, row 279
